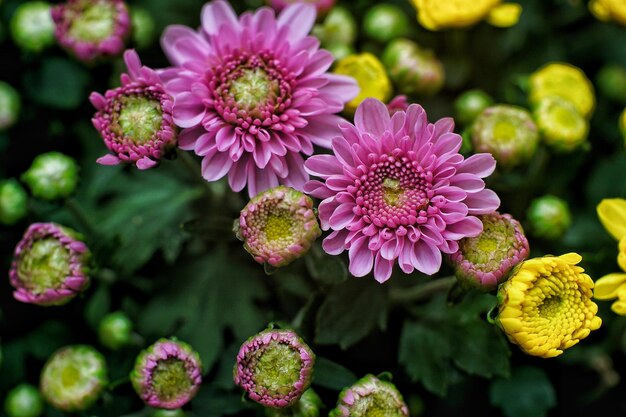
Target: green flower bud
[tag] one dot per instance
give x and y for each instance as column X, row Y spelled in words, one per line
column 339, row 27
column 161, row 412
column 413, row 69
column 470, row 104
column 24, row 401
column 385, row 22
column 143, row 27
column 611, row 81
column 548, row 217
column 52, row 176
column 73, row 378
column 13, row 202
column 307, row 406
column 508, row 133
column 115, row 330
column 32, row 28
column 562, row 127
column 10, row 105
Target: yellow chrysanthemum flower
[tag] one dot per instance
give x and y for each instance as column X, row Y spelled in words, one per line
column 546, row 305
column 369, row 73
column 612, row 214
column 566, row 81
column 444, row 14
column 606, row 10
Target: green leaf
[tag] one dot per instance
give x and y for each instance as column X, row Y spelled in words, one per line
column 331, row 375
column 98, row 306
column 324, row 268
column 350, row 312
column 528, row 393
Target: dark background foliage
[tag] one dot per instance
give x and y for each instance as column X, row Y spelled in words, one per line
column 166, row 256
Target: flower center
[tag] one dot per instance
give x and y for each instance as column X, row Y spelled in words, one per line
column 394, row 192
column 504, row 131
column 550, row 306
column 492, row 246
column 138, row 118
column 378, row 404
column 252, row 88
column 277, row 369
column 170, row 379
column 278, row 227
column 70, row 375
column 43, row 266
column 92, row 21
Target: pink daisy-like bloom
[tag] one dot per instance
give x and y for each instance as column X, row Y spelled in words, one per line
column 253, row 94
column 397, row 189
column 92, row 29
column 135, row 120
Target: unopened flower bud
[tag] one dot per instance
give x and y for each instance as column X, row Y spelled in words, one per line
column 548, row 217
column 322, row 6
column 115, row 330
column 484, row 261
column 167, row 374
column 92, row 29
column 52, row 176
column 24, row 401
column 13, row 202
column 135, row 120
column 398, row 103
column 413, row 69
column 73, row 378
column 262, row 355
column 385, row 22
column 609, row 10
column 50, row 265
column 307, row 406
column 611, row 81
column 32, row 28
column 370, row 396
column 470, row 104
column 369, row 73
column 10, row 105
column 338, row 27
column 561, row 126
column 508, row 133
column 566, row 81
column 278, row 226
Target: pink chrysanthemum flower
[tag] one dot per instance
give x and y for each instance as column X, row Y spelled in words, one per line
column 262, row 355
column 253, row 94
column 135, row 120
column 50, row 265
column 167, row 374
column 91, row 29
column 397, row 188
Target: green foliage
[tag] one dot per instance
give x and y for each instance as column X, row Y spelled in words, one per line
column 530, row 387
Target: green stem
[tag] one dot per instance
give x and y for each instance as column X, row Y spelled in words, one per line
column 421, row 292
column 118, row 382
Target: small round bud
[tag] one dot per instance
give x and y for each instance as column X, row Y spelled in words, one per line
column 322, row 6
column 52, row 176
column 115, row 330
column 413, row 69
column 92, row 29
column 278, row 226
column 24, row 401
column 369, row 73
column 259, row 359
column 308, row 405
column 13, row 202
column 611, row 81
column 50, row 265
column 32, row 28
column 508, row 133
column 548, row 217
column 565, row 81
column 370, row 396
column 338, row 27
column 484, row 261
column 167, row 374
column 10, row 105
column 73, row 378
column 385, row 22
column 470, row 104
column 561, row 126
column 143, row 27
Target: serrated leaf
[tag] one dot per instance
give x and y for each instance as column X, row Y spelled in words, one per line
column 528, row 393
column 350, row 312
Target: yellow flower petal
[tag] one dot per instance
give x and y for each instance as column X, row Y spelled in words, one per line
column 612, row 214
column 571, row 258
column 606, row 287
column 600, row 10
column 621, row 256
column 505, row 15
column 619, row 307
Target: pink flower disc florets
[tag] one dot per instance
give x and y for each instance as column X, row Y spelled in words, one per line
column 253, row 94
column 396, row 188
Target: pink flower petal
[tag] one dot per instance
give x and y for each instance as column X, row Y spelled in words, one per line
column 382, row 269
column 216, row 14
column 361, row 258
column 373, row 117
column 188, row 110
column 482, row 202
column 299, row 18
column 426, row 258
column 480, row 164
